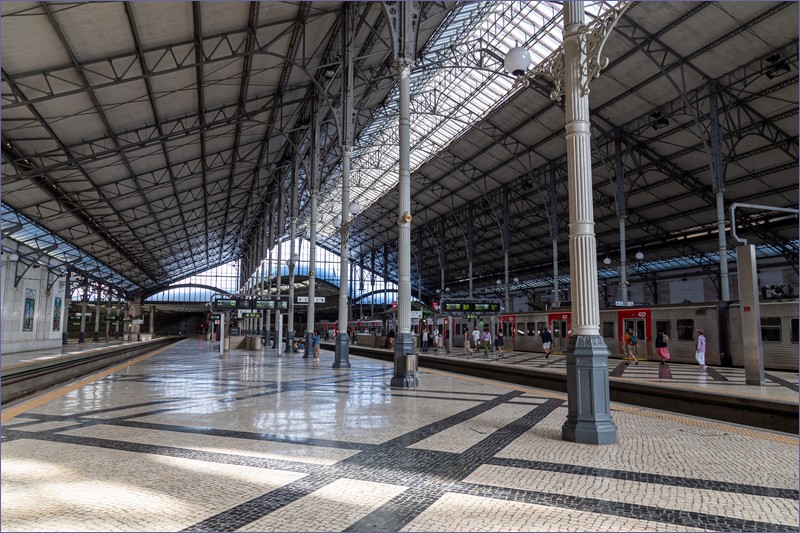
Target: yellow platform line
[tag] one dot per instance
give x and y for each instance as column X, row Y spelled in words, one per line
column 23, row 407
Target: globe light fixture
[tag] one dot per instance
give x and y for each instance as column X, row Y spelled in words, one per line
column 498, row 282
column 607, row 261
column 516, row 279
column 517, row 61
column 354, row 208
column 639, row 255
column 337, row 222
column 13, row 257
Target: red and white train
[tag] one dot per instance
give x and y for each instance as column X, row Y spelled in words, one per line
column 721, row 324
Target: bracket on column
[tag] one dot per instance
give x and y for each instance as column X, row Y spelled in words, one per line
column 597, row 33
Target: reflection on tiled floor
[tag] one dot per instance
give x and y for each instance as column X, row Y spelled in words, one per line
column 187, row 440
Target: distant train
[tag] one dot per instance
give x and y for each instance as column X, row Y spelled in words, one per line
column 721, row 324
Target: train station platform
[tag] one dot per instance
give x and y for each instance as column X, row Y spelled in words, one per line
column 187, row 440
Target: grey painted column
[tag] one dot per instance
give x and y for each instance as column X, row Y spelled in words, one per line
column 553, row 219
column 312, row 236
column 65, row 313
column 372, row 282
column 152, row 319
column 107, row 326
column 404, row 367
column 278, row 277
column 718, row 177
column 342, row 350
column 751, row 314
column 589, row 417
column 120, row 317
column 621, row 201
column 346, row 137
column 268, row 267
column 84, row 302
column 506, row 234
column 293, row 242
column 470, row 244
column 96, row 336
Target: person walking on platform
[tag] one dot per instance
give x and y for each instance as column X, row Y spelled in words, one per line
column 425, row 334
column 547, row 342
column 315, row 344
column 700, row 349
column 661, row 346
column 467, row 338
column 486, row 338
column 436, row 338
column 499, row 341
column 631, row 346
column 476, row 337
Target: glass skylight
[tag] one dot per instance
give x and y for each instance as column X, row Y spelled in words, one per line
column 456, row 82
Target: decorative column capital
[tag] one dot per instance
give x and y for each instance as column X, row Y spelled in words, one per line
column 594, row 36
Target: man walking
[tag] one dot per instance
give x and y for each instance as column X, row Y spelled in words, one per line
column 547, row 342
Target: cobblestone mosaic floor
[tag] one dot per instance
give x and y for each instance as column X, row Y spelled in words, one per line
column 190, row 441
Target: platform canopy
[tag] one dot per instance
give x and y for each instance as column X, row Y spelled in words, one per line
column 143, row 142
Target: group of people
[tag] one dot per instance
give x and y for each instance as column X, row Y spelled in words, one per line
column 483, row 340
column 632, row 347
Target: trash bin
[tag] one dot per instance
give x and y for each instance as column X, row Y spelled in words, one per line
column 255, row 343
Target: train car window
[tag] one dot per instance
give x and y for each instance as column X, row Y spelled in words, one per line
column 458, row 329
column 663, row 327
column 795, row 327
column 771, row 329
column 541, row 326
column 685, row 330
column 521, row 331
column 608, row 330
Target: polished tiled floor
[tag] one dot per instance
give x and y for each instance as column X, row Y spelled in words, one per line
column 186, row 440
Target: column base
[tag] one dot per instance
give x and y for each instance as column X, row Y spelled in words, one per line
column 405, row 362
column 307, row 350
column 96, row 336
column 81, row 337
column 64, row 338
column 342, row 351
column 588, row 401
column 289, row 341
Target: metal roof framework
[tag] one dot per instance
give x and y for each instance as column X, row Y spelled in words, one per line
column 158, row 143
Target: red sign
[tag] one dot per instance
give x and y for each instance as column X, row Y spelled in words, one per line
column 435, row 305
column 746, row 308
column 394, row 304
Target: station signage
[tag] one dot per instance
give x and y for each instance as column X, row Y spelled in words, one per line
column 317, row 299
column 471, row 307
column 250, row 314
column 270, row 304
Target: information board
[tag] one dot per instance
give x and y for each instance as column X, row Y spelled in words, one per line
column 223, row 304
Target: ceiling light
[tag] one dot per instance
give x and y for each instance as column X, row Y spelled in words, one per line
column 518, row 60
column 639, row 255
column 607, row 260
column 658, row 121
column 777, row 66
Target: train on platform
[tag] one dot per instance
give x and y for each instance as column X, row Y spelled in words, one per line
column 721, row 324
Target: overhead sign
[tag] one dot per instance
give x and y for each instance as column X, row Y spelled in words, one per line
column 223, row 304
column 471, row 307
column 317, row 299
column 270, row 304
column 138, row 321
column 250, row 314
column 416, row 314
